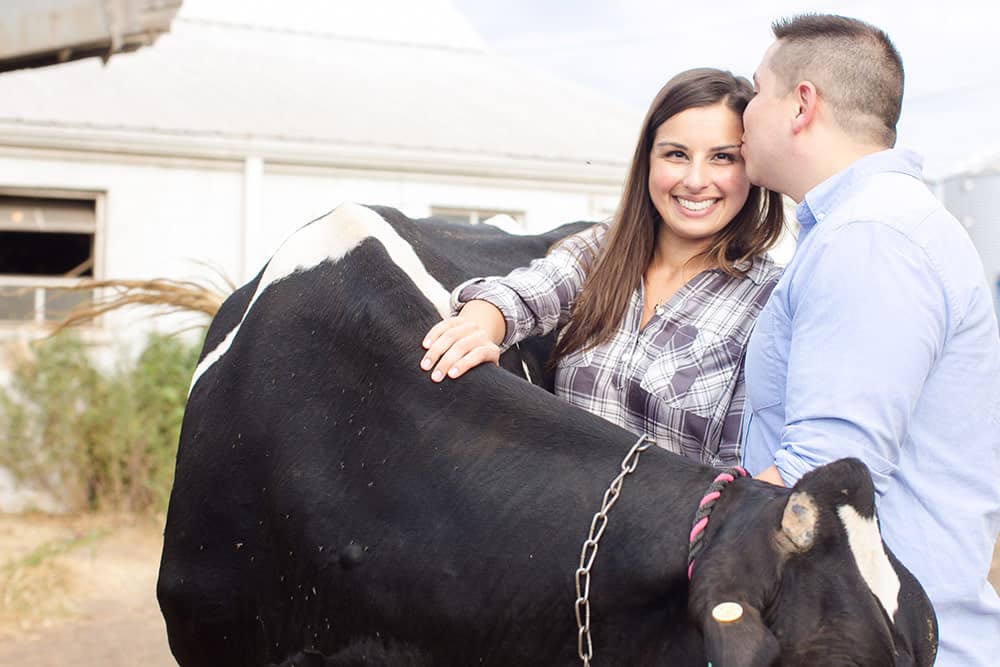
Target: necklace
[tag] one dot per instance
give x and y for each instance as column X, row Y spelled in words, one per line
column 658, row 307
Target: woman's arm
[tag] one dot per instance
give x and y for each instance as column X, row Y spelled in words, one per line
column 456, row 344
column 495, row 313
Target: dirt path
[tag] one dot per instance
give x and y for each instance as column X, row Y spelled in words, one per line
column 81, row 592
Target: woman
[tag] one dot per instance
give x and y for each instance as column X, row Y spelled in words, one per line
column 657, row 307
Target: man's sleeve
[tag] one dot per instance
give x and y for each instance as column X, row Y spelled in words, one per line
column 869, row 318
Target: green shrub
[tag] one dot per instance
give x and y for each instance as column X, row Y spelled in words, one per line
column 92, row 438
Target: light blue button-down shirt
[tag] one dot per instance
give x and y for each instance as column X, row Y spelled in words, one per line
column 880, row 342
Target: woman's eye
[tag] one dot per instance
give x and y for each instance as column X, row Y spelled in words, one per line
column 725, row 157
column 675, row 155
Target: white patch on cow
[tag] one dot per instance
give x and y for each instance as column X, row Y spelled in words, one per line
column 328, row 239
column 524, row 364
column 869, row 554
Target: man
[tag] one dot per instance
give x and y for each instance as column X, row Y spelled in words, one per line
column 880, row 339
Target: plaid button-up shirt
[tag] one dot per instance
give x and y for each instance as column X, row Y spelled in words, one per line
column 679, row 379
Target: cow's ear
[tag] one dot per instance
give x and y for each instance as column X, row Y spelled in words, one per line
column 735, row 636
column 842, row 482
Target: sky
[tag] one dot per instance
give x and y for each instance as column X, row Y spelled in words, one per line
column 629, row 48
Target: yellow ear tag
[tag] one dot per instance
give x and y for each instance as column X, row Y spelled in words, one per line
column 727, row 612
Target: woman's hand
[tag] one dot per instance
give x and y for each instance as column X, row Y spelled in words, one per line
column 456, row 344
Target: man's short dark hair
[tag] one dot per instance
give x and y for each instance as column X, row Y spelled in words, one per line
column 854, row 66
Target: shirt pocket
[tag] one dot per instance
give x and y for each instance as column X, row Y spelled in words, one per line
column 693, row 375
column 765, row 366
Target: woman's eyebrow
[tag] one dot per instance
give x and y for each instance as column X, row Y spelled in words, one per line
column 676, row 144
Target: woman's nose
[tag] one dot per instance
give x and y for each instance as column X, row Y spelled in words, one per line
column 696, row 176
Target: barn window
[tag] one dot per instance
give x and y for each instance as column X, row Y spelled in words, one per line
column 473, row 216
column 47, row 243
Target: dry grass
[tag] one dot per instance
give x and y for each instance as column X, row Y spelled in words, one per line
column 170, row 296
column 37, row 585
column 34, row 596
column 50, row 565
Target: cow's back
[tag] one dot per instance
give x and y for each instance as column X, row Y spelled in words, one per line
column 316, row 453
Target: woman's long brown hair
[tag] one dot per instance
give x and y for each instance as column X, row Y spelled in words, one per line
column 628, row 246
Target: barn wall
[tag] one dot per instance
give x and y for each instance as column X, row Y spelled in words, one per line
column 175, row 217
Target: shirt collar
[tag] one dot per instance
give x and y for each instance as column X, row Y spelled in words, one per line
column 757, row 269
column 825, row 197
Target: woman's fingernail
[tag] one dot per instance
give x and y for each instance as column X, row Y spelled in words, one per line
column 453, row 372
column 425, row 364
column 436, row 376
column 427, row 342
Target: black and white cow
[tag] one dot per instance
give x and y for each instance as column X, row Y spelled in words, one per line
column 332, row 506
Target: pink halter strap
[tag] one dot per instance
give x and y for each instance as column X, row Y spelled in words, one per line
column 705, row 507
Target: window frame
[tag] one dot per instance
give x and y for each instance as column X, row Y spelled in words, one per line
column 476, row 215
column 41, row 284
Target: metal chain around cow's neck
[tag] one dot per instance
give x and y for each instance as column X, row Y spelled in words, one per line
column 584, row 646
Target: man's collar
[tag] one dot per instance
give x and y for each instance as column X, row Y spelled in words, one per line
column 826, row 196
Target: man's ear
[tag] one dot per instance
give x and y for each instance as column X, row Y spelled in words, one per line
column 806, row 98
column 735, row 636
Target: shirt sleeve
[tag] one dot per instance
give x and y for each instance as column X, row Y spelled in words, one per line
column 868, row 321
column 536, row 298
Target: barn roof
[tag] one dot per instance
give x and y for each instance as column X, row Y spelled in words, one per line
column 355, row 91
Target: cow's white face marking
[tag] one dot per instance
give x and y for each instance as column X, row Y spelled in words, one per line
column 869, row 554
column 329, row 239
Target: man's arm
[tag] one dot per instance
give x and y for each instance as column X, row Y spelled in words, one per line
column 869, row 316
column 771, row 476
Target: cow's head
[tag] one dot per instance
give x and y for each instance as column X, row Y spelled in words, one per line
column 811, row 578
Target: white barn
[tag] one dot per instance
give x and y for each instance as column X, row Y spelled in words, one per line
column 250, row 118
column 972, row 194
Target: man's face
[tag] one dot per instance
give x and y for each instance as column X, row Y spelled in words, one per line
column 766, row 128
